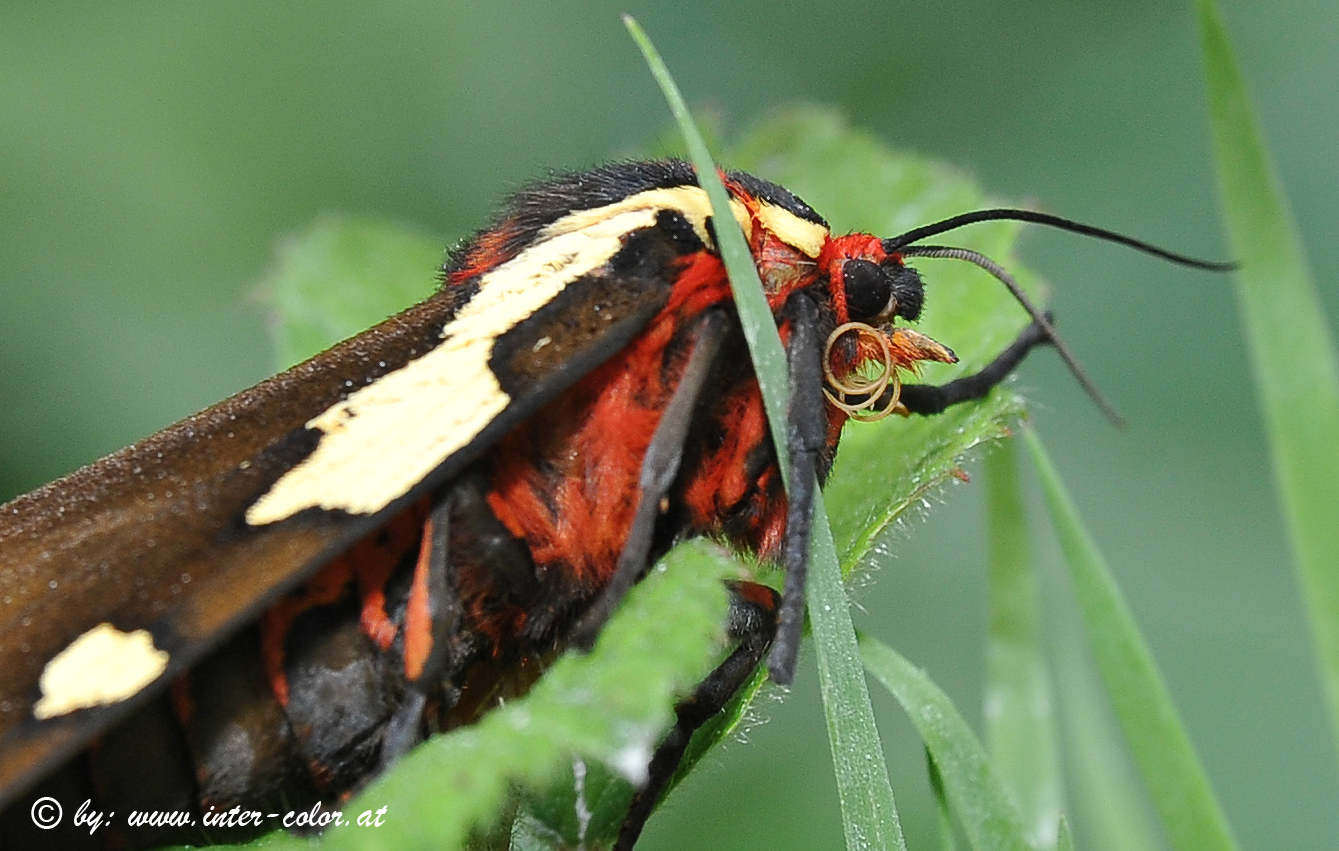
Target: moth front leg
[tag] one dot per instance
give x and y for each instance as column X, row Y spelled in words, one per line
column 660, row 466
column 929, row 399
column 752, row 623
column 805, row 436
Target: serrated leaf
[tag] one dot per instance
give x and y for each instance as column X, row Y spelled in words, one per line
column 859, row 183
column 340, row 275
column 609, row 705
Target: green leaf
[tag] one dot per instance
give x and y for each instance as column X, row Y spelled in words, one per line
column 859, row 183
column 340, row 275
column 863, row 787
column 610, row 705
column 1162, row 750
column 1018, row 702
column 1292, row 353
column 976, row 795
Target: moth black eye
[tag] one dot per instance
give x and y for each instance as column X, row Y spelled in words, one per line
column 868, row 289
column 882, row 291
column 907, row 289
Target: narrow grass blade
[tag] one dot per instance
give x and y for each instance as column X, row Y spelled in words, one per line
column 769, row 359
column 946, row 840
column 975, row 793
column 1064, row 840
column 1162, row 750
column 1104, row 792
column 1019, row 707
column 869, row 814
column 1292, row 352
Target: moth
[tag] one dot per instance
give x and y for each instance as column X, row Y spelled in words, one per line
column 270, row 601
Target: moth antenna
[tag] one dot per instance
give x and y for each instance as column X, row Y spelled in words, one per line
column 1039, row 316
column 897, row 243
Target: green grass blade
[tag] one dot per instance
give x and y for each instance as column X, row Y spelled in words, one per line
column 947, row 842
column 769, row 359
column 1105, row 795
column 869, row 814
column 1162, row 750
column 976, row 795
column 1292, row 353
column 1064, row 840
column 1019, row 705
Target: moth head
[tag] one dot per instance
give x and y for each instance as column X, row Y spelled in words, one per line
column 865, row 352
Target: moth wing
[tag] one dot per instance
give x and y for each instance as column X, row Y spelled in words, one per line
column 158, row 537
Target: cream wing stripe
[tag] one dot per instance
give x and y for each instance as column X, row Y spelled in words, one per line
column 385, row 438
column 690, row 201
column 801, row 234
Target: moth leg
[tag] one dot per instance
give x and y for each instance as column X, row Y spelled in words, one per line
column 659, row 468
column 431, row 596
column 460, row 530
column 806, row 434
column 927, row 399
column 753, row 623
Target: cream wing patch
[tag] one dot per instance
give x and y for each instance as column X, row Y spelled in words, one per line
column 385, row 438
column 801, row 234
column 100, row 667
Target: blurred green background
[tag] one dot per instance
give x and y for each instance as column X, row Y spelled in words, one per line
column 153, row 154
